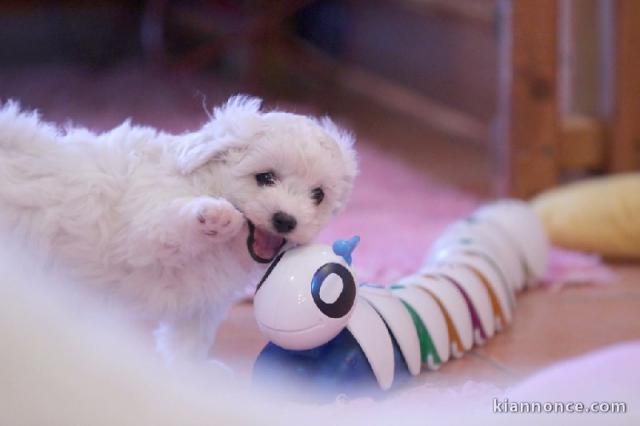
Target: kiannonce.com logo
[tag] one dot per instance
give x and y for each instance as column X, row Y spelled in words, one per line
column 504, row 406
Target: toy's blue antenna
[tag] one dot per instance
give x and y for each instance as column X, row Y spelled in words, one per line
column 344, row 248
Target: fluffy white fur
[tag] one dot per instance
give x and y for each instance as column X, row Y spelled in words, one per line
column 158, row 222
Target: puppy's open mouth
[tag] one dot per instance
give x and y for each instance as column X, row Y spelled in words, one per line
column 263, row 246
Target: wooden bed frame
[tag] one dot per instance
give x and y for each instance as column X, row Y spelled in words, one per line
column 536, row 143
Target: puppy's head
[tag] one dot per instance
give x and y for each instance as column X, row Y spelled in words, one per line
column 288, row 173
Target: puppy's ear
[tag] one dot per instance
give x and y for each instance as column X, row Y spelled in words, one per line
column 343, row 138
column 232, row 125
column 345, row 141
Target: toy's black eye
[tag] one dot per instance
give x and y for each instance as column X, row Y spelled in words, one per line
column 317, row 195
column 266, row 179
column 341, row 303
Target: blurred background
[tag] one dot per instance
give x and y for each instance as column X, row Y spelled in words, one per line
column 491, row 96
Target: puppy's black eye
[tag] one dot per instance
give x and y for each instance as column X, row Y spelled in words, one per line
column 317, row 195
column 266, row 179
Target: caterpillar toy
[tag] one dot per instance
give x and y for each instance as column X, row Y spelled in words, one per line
column 328, row 332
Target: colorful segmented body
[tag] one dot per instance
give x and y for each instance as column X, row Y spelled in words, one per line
column 324, row 327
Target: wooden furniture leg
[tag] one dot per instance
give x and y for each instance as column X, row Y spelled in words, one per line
column 623, row 147
column 527, row 125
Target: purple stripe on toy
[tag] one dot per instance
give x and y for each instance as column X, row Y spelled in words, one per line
column 475, row 319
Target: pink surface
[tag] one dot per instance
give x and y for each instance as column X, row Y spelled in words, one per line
column 568, row 267
column 606, row 375
column 398, row 212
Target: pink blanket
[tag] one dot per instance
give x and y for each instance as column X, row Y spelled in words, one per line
column 399, row 211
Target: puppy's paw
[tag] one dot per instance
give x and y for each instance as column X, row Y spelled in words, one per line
column 215, row 219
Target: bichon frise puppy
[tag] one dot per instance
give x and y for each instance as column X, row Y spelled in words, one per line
column 174, row 226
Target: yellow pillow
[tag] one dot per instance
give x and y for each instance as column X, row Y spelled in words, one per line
column 600, row 215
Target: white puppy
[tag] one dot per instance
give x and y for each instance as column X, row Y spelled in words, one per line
column 174, row 226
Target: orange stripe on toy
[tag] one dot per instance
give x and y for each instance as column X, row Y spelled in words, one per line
column 497, row 310
column 453, row 333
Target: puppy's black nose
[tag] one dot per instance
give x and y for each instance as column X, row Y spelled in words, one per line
column 283, row 222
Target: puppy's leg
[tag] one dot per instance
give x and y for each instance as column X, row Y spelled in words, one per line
column 214, row 218
column 186, row 340
column 185, row 226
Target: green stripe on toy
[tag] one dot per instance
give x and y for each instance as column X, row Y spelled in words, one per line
column 426, row 344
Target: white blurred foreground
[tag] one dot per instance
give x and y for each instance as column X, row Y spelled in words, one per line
column 62, row 362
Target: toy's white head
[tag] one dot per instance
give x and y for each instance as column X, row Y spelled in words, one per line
column 307, row 295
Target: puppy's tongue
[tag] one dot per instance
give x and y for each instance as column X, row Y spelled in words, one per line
column 265, row 244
